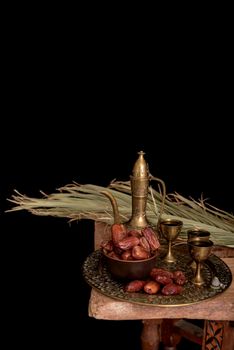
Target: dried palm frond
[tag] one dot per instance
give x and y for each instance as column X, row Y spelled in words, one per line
column 75, row 202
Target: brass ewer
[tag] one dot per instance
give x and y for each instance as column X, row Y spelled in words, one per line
column 139, row 187
column 140, row 179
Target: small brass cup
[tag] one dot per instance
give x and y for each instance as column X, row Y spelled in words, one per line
column 170, row 229
column 198, row 234
column 199, row 251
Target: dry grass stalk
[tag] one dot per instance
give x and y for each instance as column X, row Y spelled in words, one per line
column 76, row 202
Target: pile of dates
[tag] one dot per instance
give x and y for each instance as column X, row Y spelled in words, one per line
column 160, row 280
column 129, row 244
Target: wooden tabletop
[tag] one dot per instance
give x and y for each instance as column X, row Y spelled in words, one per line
column 220, row 307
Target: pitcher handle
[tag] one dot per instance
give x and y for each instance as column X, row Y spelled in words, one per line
column 114, row 206
column 163, row 196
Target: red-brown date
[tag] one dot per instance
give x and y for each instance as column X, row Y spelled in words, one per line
column 179, row 278
column 128, row 243
column 107, row 246
column 172, row 289
column 118, row 232
column 139, row 253
column 149, row 234
column 127, row 255
column 152, row 287
column 134, row 233
column 145, row 244
column 135, row 286
column 159, row 271
column 163, row 279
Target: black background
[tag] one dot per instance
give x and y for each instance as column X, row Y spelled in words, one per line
column 46, row 293
column 79, row 113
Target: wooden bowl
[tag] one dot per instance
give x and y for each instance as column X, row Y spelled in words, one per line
column 130, row 269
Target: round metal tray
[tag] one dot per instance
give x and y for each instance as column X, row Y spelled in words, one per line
column 96, row 274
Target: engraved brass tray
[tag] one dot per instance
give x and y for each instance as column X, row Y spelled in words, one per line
column 96, row 274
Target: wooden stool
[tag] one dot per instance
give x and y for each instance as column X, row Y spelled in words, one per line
column 168, row 325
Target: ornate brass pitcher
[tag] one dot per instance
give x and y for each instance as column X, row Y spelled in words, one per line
column 139, row 188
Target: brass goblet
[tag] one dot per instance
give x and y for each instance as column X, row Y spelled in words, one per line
column 197, row 234
column 199, row 251
column 170, row 229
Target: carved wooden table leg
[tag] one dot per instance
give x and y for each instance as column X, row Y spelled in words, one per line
column 150, row 336
column 218, row 335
